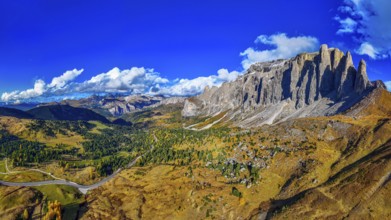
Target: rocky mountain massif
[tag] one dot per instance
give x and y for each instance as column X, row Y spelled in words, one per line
column 310, row 84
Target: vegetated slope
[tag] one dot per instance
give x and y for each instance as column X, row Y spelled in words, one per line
column 162, row 115
column 376, row 103
column 358, row 186
column 66, row 112
column 315, row 167
column 11, row 112
column 308, row 85
column 14, row 200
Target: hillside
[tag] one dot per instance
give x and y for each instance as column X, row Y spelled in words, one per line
column 316, row 167
column 66, row 112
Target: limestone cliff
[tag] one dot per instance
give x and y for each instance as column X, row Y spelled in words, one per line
column 310, row 84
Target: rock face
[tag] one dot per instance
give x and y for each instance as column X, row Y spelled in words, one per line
column 132, row 103
column 309, row 84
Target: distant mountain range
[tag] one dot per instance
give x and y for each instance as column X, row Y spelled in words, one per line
column 55, row 112
column 115, row 106
column 92, row 108
column 12, row 112
column 21, row 106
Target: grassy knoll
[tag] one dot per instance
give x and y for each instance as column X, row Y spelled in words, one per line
column 2, row 166
column 69, row 197
column 98, row 126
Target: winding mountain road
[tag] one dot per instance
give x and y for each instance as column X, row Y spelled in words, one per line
column 84, row 189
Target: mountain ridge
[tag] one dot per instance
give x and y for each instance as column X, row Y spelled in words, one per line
column 66, row 112
column 116, row 106
column 310, row 84
column 12, row 112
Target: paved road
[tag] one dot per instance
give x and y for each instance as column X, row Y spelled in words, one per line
column 84, row 189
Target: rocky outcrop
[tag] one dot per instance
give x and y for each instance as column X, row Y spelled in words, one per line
column 122, row 105
column 310, row 84
column 361, row 82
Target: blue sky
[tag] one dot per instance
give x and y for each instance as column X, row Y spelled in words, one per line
column 65, row 49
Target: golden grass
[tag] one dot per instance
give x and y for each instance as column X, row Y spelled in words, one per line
column 98, row 126
column 25, row 176
column 165, row 192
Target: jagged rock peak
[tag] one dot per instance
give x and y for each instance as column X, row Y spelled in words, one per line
column 349, row 59
column 336, row 57
column 362, row 81
column 324, row 49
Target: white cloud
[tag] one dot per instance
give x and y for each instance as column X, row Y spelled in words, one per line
column 285, row 47
column 347, row 25
column 372, row 18
column 186, row 87
column 38, row 90
column 61, row 81
column 135, row 80
column 388, row 85
column 57, row 85
column 367, row 49
column 226, row 76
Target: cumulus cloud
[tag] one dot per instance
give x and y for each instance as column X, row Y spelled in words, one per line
column 61, row 81
column 41, row 88
column 370, row 25
column 388, row 85
column 367, row 49
column 134, row 80
column 285, row 47
column 38, row 90
column 347, row 25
